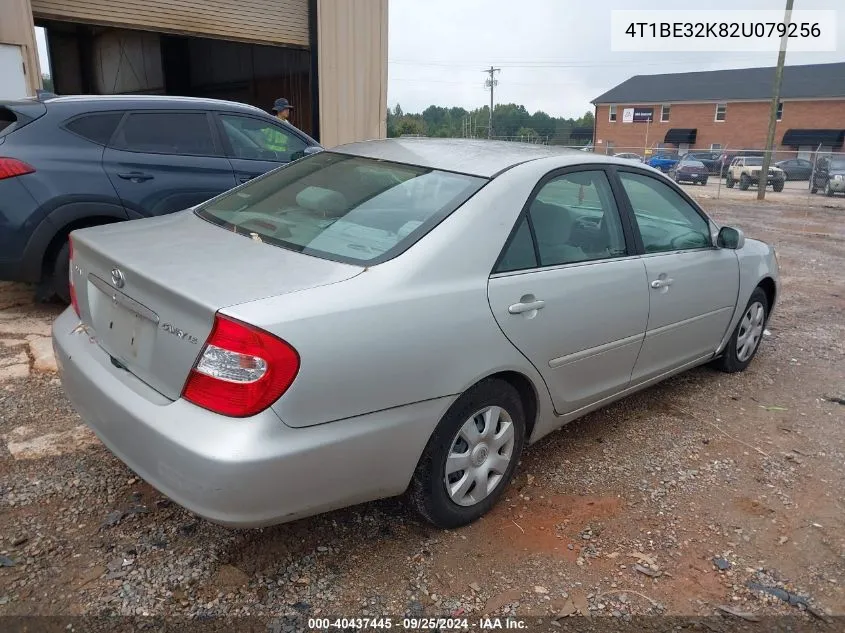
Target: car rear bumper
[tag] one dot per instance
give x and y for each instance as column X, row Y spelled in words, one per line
column 240, row 472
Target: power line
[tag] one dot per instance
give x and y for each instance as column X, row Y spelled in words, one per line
column 554, row 63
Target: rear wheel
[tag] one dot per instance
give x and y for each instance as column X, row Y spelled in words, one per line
column 813, row 187
column 828, row 190
column 58, row 283
column 744, row 182
column 704, row 182
column 746, row 338
column 729, row 181
column 471, row 456
column 778, row 185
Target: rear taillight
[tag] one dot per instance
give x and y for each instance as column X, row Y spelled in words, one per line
column 241, row 371
column 72, row 288
column 11, row 167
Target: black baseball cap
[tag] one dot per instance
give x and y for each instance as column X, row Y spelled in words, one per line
column 281, row 104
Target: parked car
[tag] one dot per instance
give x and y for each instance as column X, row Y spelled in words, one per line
column 745, row 170
column 829, row 175
column 71, row 162
column 630, row 156
column 252, row 359
column 689, row 170
column 727, row 158
column 663, row 161
column 709, row 159
column 795, row 168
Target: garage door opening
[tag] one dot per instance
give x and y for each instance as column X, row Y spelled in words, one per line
column 88, row 59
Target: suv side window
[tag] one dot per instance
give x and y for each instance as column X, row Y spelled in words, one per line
column 573, row 219
column 97, row 128
column 166, row 133
column 260, row 140
column 665, row 220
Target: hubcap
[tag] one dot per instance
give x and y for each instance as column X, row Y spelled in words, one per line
column 479, row 456
column 750, row 331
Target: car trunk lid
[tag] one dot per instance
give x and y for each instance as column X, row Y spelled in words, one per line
column 148, row 290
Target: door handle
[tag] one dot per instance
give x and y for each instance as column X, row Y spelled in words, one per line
column 661, row 283
column 519, row 308
column 135, row 176
column 243, row 179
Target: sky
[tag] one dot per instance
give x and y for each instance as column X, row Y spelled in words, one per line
column 554, row 54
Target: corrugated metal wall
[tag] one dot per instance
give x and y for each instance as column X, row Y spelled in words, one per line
column 270, row 21
column 352, row 66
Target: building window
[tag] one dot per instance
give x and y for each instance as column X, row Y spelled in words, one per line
column 780, row 110
column 664, row 113
column 612, row 116
column 721, row 111
column 715, row 147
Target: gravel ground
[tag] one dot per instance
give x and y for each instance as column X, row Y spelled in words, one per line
column 690, row 497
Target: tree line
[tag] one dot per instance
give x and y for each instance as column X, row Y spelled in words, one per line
column 510, row 121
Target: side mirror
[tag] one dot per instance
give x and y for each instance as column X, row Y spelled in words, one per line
column 730, row 237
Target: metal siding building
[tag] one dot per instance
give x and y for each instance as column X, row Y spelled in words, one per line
column 328, row 57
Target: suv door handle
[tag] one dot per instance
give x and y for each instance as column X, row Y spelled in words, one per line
column 661, row 283
column 135, row 176
column 519, row 308
column 243, row 179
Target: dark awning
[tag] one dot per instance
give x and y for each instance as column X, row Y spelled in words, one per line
column 581, row 133
column 678, row 135
column 828, row 138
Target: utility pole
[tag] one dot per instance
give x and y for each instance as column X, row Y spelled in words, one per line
column 773, row 110
column 491, row 83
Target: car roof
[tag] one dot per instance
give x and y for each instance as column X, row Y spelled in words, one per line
column 146, row 102
column 475, row 157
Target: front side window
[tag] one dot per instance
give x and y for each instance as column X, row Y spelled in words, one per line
column 721, row 111
column 664, row 113
column 260, row 140
column 612, row 113
column 166, row 133
column 575, row 219
column 342, row 207
column 665, row 220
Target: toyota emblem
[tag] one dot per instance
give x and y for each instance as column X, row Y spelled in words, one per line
column 117, row 278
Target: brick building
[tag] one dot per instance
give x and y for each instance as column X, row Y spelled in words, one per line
column 724, row 109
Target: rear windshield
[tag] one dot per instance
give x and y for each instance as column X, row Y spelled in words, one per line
column 345, row 208
column 753, row 161
column 693, row 163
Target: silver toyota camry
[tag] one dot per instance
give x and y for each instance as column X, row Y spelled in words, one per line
column 395, row 316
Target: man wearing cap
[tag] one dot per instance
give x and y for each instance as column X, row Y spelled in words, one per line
column 278, row 141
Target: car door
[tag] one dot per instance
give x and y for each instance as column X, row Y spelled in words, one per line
column 165, row 161
column 256, row 145
column 568, row 290
column 692, row 285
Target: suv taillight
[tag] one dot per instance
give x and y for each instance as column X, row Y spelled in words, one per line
column 241, row 371
column 11, row 167
column 72, row 288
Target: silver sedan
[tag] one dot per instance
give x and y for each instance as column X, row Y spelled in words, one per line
column 395, row 316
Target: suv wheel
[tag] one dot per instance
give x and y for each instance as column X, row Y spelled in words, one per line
column 813, row 187
column 778, row 185
column 729, row 181
column 828, row 190
column 61, row 274
column 744, row 182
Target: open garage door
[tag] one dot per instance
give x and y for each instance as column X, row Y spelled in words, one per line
column 279, row 22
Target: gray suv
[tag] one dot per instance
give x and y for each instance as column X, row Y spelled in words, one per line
column 73, row 162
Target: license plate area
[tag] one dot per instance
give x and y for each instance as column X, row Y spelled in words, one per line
column 123, row 327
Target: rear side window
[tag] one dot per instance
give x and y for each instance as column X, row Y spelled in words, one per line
column 97, row 128
column 166, row 133
column 341, row 207
column 7, row 119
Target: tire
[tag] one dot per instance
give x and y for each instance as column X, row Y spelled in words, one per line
column 61, row 274
column 704, row 182
column 777, row 185
column 736, row 357
column 827, row 189
column 428, row 490
column 729, row 181
column 744, row 182
column 813, row 187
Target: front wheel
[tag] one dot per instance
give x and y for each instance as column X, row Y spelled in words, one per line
column 778, row 185
column 745, row 339
column 813, row 187
column 729, row 182
column 828, row 190
column 471, row 456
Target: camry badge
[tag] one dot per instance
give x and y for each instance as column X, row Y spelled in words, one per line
column 117, row 278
